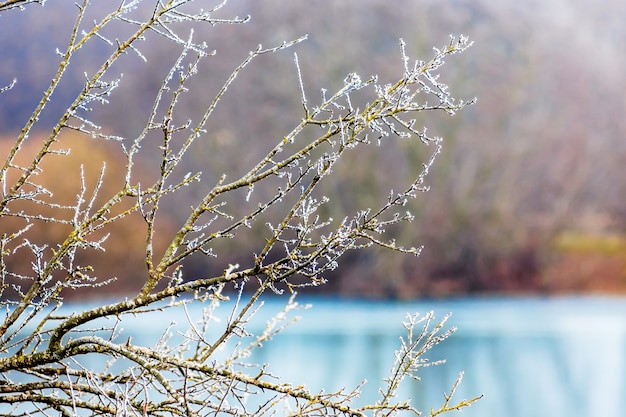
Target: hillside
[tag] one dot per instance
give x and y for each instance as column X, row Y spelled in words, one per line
column 527, row 196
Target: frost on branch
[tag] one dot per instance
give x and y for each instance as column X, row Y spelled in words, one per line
column 198, row 371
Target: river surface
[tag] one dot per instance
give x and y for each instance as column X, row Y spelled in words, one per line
column 530, row 357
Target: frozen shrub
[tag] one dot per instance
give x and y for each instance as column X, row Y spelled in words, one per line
column 42, row 350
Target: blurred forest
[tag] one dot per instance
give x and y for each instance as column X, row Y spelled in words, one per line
column 528, row 194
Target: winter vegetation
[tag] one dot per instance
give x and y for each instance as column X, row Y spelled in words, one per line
column 529, row 184
column 128, row 151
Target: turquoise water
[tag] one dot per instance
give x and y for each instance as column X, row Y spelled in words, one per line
column 530, row 357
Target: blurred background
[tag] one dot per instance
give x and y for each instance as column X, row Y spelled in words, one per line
column 527, row 197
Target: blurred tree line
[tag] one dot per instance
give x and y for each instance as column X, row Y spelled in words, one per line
column 527, row 195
